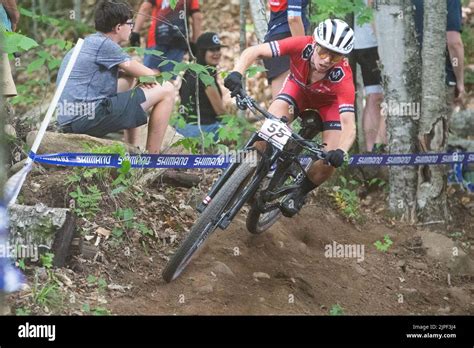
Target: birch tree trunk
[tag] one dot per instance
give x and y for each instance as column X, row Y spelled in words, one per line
column 243, row 41
column 77, row 10
column 3, row 173
column 433, row 132
column 258, row 11
column 401, row 78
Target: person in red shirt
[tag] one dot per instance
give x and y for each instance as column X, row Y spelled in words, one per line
column 167, row 31
column 320, row 78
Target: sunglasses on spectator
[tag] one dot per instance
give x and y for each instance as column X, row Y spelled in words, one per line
column 324, row 53
column 214, row 49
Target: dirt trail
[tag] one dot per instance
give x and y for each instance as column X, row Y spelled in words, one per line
column 301, row 279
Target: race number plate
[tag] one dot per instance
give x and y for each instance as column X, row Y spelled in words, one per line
column 276, row 133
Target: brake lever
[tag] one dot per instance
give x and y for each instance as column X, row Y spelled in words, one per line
column 241, row 104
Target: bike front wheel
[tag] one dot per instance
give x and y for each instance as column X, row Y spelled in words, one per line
column 207, row 222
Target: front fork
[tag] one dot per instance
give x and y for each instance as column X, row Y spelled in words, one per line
column 225, row 176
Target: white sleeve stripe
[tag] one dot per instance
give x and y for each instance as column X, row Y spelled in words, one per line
column 294, row 13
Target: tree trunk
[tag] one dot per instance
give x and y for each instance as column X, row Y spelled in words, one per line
column 462, row 123
column 40, row 229
column 433, row 132
column 401, row 78
column 3, row 177
column 258, row 11
column 243, row 40
column 77, row 10
column 43, row 7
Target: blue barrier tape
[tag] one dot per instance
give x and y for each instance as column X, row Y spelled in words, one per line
column 222, row 161
column 136, row 161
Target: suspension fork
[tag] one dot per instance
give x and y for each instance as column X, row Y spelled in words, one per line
column 309, row 131
column 224, row 177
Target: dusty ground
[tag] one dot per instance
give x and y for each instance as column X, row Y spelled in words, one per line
column 295, row 275
column 301, row 279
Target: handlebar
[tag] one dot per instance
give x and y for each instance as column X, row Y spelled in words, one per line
column 244, row 101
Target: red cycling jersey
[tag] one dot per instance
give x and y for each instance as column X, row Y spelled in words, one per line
column 331, row 96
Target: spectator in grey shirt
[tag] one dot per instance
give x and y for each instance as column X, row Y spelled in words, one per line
column 96, row 102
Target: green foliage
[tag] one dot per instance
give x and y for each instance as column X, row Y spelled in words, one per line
column 385, row 245
column 21, row 264
column 86, row 308
column 324, row 9
column 60, row 24
column 173, row 3
column 87, row 203
column 99, row 282
column 47, row 260
column 48, row 295
column 336, row 310
column 233, row 129
column 22, row 311
column 376, row 182
column 467, row 36
column 25, row 97
column 232, row 132
column 42, row 58
column 178, row 120
column 347, row 199
column 15, row 42
column 126, row 218
column 100, row 311
column 254, row 70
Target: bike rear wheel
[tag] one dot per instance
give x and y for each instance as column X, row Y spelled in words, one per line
column 207, row 222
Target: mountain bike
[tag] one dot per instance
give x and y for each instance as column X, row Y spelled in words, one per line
column 251, row 180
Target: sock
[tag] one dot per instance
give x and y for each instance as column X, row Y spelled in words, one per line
column 307, row 185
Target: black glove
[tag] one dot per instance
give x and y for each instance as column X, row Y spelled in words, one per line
column 135, row 39
column 335, row 158
column 233, row 82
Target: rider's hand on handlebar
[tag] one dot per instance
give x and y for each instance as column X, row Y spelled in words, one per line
column 233, row 82
column 335, row 158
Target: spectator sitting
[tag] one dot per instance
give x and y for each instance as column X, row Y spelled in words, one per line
column 90, row 103
column 210, row 98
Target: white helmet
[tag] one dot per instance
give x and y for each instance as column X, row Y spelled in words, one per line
column 335, row 35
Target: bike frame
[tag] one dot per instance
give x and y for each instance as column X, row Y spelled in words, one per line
column 268, row 159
